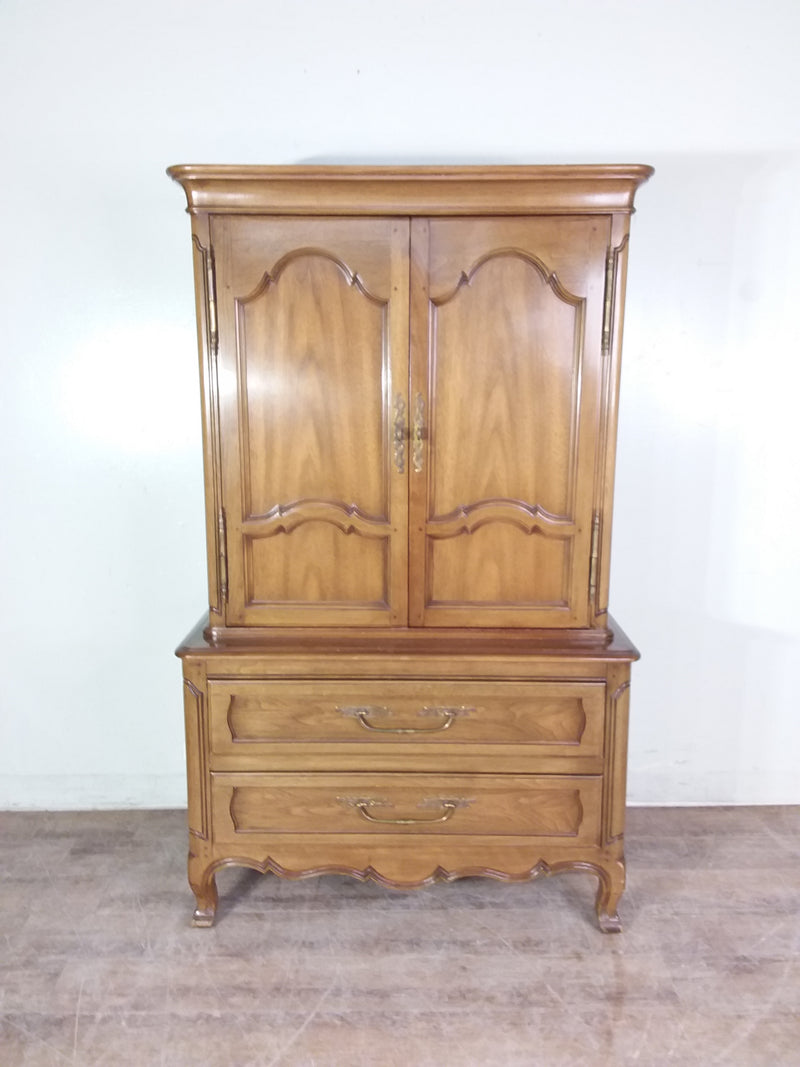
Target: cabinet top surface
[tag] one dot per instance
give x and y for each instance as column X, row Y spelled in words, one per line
column 600, row 646
column 407, row 190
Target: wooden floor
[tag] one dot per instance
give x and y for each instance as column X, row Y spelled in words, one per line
column 99, row 964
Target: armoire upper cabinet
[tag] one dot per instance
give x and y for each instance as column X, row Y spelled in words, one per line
column 410, row 404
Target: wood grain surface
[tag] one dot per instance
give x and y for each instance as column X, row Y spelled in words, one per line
column 410, row 386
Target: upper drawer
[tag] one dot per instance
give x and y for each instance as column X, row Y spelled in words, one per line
column 555, row 718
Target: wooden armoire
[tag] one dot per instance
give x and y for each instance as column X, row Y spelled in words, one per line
column 409, row 378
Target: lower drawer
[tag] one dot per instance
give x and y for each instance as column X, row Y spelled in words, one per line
column 503, row 805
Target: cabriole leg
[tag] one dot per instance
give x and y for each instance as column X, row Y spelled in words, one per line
column 204, row 887
column 610, row 889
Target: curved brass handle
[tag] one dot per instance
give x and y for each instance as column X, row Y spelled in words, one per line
column 363, row 804
column 399, row 433
column 418, row 433
column 448, row 805
column 447, row 715
column 447, row 722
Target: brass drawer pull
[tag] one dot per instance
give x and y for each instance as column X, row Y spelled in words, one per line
column 447, row 716
column 363, row 804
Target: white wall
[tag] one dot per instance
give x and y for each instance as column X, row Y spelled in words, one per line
column 102, row 535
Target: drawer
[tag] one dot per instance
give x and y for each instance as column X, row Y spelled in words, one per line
column 566, row 807
column 553, row 718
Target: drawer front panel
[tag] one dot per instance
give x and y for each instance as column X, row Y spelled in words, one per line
column 566, row 807
column 557, row 718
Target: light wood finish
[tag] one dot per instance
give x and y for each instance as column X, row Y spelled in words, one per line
column 410, row 382
column 562, row 717
column 425, row 191
column 616, row 277
column 524, row 807
column 313, row 336
column 207, row 336
column 550, row 679
column 464, row 726
column 509, row 369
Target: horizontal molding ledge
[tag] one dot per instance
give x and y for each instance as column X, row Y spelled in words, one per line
column 498, row 190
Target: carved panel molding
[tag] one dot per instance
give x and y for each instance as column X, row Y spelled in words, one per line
column 529, row 518
column 199, row 729
column 312, row 327
column 501, row 298
column 270, row 277
column 284, row 518
column 548, row 276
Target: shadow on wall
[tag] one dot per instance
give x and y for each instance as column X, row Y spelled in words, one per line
column 705, row 570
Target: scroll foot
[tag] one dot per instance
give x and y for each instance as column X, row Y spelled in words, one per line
column 609, row 924
column 203, row 917
column 612, row 884
column 204, row 887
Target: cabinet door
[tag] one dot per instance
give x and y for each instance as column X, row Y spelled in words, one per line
column 313, row 372
column 506, row 351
